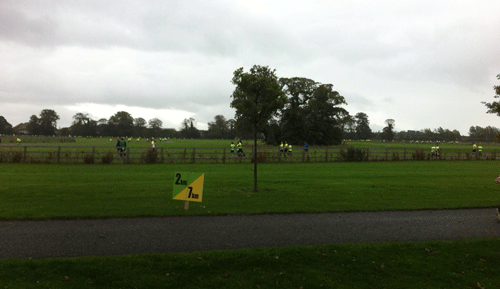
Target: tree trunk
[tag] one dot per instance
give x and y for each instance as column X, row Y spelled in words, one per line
column 255, row 160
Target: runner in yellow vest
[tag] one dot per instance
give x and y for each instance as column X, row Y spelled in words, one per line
column 281, row 148
column 232, row 147
column 240, row 148
column 290, row 149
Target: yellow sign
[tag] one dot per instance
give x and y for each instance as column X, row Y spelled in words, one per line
column 188, row 187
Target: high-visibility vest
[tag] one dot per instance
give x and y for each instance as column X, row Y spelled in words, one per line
column 281, row 146
column 232, row 146
column 290, row 148
column 239, row 145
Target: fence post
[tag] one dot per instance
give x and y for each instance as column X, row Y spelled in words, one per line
column 303, row 156
column 224, row 156
column 404, row 154
column 326, row 155
column 194, row 156
column 386, row 154
column 59, row 154
column 128, row 155
column 368, row 154
column 25, row 153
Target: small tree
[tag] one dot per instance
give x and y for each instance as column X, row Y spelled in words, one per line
column 257, row 98
column 494, row 107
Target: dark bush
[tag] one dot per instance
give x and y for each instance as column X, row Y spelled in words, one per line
column 419, row 155
column 151, row 156
column 261, row 157
column 107, row 158
column 17, row 157
column 353, row 155
column 88, row 158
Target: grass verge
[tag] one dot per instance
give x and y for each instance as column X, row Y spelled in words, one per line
column 45, row 191
column 465, row 263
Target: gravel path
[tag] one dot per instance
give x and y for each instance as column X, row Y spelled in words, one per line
column 119, row 236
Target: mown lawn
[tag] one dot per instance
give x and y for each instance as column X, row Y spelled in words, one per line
column 42, row 191
column 48, row 191
column 454, row 264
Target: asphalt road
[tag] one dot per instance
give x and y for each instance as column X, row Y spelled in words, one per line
column 119, row 236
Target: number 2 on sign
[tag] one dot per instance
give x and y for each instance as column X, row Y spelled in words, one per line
column 179, row 181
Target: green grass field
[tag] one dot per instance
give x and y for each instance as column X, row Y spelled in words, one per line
column 49, row 191
column 92, row 191
column 434, row 264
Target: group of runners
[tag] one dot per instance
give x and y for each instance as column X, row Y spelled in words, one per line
column 121, row 145
column 285, row 148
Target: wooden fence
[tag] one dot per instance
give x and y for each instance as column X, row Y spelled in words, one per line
column 105, row 154
column 99, row 154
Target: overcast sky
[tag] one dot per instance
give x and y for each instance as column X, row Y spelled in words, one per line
column 425, row 64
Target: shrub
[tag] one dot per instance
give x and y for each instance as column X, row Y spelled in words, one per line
column 261, row 157
column 107, row 158
column 493, row 155
column 151, row 156
column 88, row 158
column 418, row 155
column 353, row 155
column 49, row 158
column 17, row 157
column 3, row 157
column 33, row 160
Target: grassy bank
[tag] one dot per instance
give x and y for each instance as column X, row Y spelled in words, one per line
column 433, row 264
column 44, row 191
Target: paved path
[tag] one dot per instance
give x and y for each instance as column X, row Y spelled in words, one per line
column 118, row 236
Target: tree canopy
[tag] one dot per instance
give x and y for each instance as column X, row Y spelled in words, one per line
column 257, row 98
column 494, row 107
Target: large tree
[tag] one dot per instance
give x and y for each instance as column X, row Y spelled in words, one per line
column 5, row 126
column 293, row 127
column 257, row 98
column 48, row 122
column 83, row 125
column 363, row 130
column 219, row 128
column 123, row 123
column 155, row 125
column 324, row 116
column 494, row 107
column 388, row 131
column 140, row 127
column 188, row 129
column 34, row 125
column 312, row 114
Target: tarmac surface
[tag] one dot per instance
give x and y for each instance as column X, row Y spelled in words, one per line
column 121, row 236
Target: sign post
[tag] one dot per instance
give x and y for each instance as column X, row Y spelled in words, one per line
column 188, row 187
